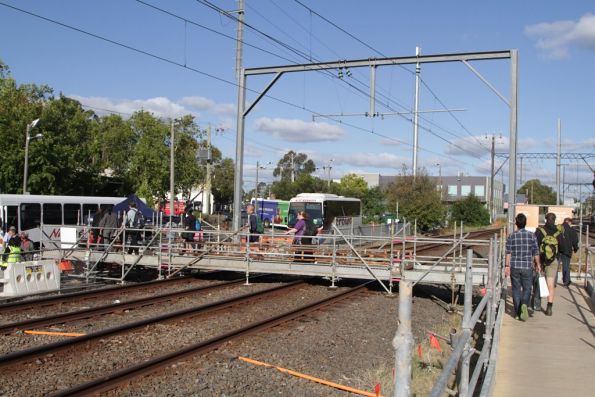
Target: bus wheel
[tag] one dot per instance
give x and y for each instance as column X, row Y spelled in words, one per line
column 267, row 223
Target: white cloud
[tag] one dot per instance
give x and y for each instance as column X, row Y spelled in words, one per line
column 295, row 130
column 206, row 104
column 160, row 106
column 555, row 38
column 475, row 146
column 377, row 160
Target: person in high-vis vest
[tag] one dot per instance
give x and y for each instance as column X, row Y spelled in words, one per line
column 12, row 254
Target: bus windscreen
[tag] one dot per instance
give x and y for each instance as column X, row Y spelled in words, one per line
column 314, row 211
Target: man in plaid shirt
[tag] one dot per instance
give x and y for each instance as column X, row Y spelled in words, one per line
column 521, row 251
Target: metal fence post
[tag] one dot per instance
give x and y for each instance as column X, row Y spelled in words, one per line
column 403, row 341
column 467, row 326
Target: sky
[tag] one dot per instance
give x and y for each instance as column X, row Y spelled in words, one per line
column 180, row 58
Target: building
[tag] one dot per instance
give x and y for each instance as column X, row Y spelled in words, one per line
column 453, row 188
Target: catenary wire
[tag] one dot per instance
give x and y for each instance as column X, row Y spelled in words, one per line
column 223, row 80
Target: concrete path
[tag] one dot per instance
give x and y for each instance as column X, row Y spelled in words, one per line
column 549, row 356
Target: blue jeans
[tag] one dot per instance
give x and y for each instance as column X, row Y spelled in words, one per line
column 522, row 283
column 565, row 260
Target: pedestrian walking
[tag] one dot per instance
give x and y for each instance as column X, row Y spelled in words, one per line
column 27, row 247
column 569, row 245
column 549, row 237
column 107, row 226
column 521, row 251
column 133, row 224
column 253, row 224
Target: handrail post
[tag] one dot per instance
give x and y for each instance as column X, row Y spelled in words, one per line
column 467, row 326
column 403, row 341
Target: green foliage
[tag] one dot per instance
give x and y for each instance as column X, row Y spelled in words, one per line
column 537, row 193
column 352, row 185
column 223, row 177
column 470, row 211
column 285, row 189
column 83, row 154
column 418, row 199
column 374, row 204
column 299, row 162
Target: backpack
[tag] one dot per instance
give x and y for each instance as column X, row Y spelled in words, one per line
column 138, row 222
column 549, row 245
column 197, row 225
column 311, row 229
column 259, row 225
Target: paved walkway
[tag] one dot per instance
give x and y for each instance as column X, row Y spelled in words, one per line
column 549, row 356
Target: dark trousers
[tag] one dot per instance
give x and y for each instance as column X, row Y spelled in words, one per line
column 522, row 282
column 134, row 238
column 565, row 260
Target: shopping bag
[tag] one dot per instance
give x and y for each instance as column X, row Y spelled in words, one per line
column 543, row 290
column 536, row 299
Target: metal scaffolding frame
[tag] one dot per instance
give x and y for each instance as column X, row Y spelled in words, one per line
column 372, row 64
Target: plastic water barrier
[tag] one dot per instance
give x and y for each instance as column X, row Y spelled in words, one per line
column 25, row 278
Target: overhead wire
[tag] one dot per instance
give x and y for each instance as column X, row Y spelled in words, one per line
column 203, row 73
column 382, row 54
column 305, row 56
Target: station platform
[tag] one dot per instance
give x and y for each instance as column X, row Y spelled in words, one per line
column 549, row 356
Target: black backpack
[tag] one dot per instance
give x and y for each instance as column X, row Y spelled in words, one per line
column 138, row 222
column 311, row 229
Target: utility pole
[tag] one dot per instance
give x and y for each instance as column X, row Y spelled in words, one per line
column 207, row 201
column 493, row 153
column 558, row 162
column 171, row 170
column 292, row 168
column 241, row 80
column 416, row 112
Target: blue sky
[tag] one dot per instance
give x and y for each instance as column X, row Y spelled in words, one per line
column 556, row 43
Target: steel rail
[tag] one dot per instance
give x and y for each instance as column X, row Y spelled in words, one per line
column 29, row 354
column 110, row 381
column 54, row 300
column 106, row 309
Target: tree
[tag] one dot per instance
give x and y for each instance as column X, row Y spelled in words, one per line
column 470, row 211
column 294, row 163
column 223, row 177
column 285, row 189
column 418, row 199
column 373, row 203
column 352, row 185
column 19, row 106
column 537, row 193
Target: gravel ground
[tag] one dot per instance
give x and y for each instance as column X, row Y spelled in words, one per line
column 350, row 344
column 85, row 303
column 19, row 341
column 68, row 368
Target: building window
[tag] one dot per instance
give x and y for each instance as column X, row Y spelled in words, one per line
column 480, row 190
column 465, row 190
column 452, row 190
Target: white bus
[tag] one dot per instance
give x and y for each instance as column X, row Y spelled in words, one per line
column 27, row 212
column 323, row 209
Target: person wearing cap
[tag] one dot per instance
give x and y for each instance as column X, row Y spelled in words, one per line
column 568, row 245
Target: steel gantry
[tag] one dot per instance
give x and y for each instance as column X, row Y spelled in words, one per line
column 372, row 64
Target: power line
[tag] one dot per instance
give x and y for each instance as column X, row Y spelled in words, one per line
column 303, row 55
column 223, row 80
column 382, row 54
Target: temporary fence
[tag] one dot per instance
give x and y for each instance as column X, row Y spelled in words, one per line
column 457, row 370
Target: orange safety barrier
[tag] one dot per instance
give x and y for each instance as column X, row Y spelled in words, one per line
column 311, row 378
column 72, row 334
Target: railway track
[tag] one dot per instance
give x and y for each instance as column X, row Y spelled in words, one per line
column 91, row 294
column 33, row 353
column 106, row 309
column 123, row 376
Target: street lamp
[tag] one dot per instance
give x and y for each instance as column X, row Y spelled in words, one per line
column 440, row 178
column 328, row 169
column 28, row 137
